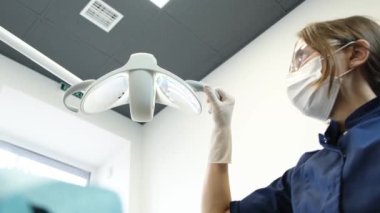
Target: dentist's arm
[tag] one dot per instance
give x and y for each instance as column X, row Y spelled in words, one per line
column 216, row 192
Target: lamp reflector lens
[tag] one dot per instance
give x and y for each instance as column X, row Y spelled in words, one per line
column 102, row 96
column 177, row 93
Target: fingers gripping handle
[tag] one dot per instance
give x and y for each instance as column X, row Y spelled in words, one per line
column 220, row 150
column 198, row 86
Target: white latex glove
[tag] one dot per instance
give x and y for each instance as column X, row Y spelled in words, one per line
column 221, row 107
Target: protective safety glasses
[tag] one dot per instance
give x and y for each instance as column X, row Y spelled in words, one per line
column 304, row 53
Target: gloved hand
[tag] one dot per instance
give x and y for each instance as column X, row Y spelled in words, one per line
column 221, row 107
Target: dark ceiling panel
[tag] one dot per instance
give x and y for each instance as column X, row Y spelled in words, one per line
column 36, row 5
column 71, row 53
column 111, row 65
column 175, row 48
column 218, row 23
column 289, row 4
column 139, row 11
column 15, row 17
column 244, row 34
column 65, row 14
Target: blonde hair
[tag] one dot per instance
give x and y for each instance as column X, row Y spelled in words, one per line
column 342, row 31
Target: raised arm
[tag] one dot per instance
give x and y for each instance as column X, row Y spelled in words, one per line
column 216, row 192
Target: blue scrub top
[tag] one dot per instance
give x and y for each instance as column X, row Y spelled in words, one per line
column 342, row 177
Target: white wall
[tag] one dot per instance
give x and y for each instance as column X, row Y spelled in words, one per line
column 114, row 173
column 32, row 116
column 269, row 134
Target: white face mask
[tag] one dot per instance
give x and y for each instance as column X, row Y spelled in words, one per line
column 310, row 99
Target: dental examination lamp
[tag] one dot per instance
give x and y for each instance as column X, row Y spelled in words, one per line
column 141, row 83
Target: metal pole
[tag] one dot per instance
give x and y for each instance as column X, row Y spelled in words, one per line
column 36, row 56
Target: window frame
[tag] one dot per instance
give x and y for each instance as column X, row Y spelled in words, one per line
column 20, row 151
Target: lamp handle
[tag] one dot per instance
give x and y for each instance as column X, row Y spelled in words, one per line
column 198, row 86
column 82, row 86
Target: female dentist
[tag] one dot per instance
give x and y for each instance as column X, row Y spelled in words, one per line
column 334, row 74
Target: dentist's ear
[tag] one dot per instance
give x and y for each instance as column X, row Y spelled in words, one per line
column 360, row 53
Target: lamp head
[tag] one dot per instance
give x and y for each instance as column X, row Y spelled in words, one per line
column 141, row 83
